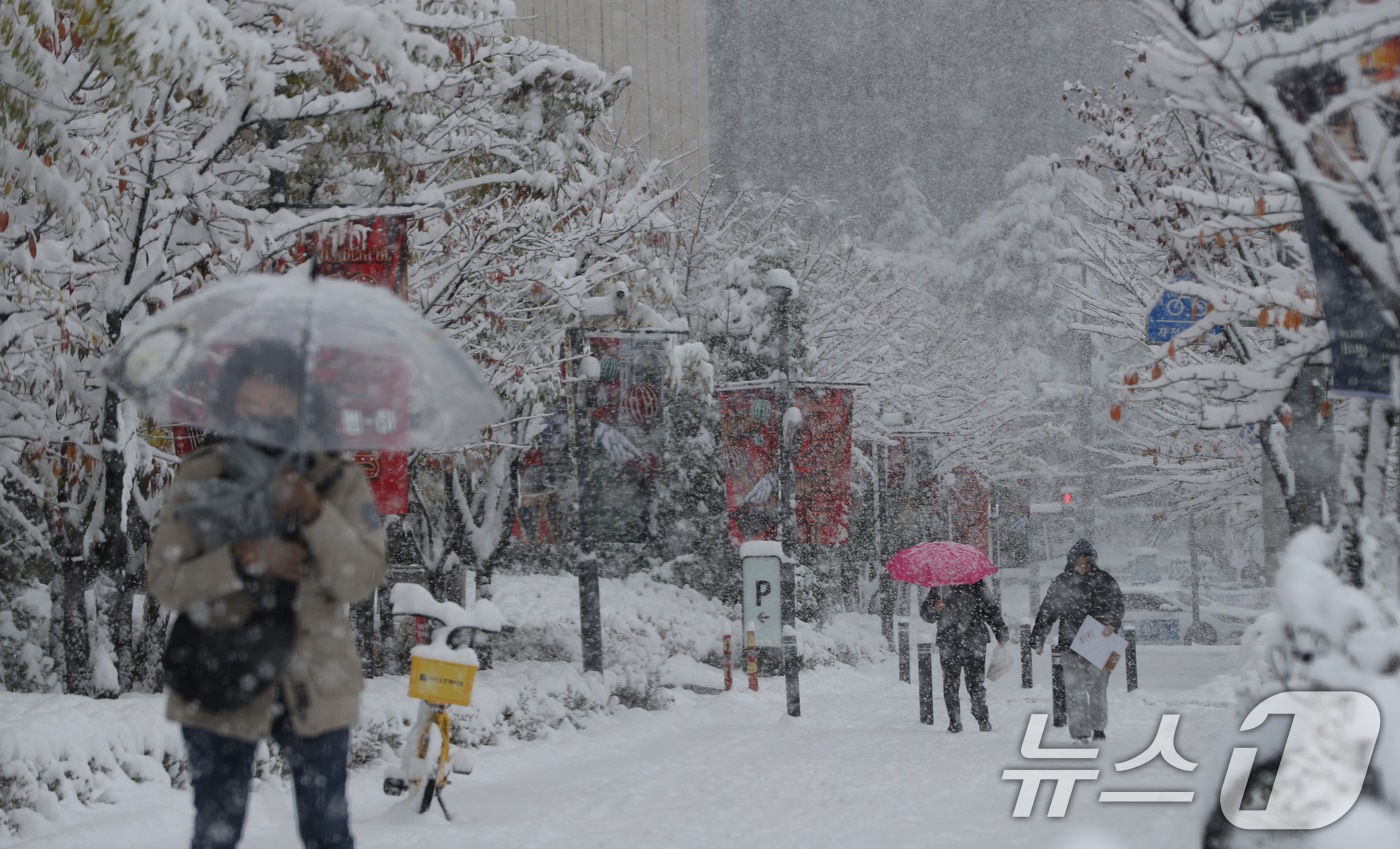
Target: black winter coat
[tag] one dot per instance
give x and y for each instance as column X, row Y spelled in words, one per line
column 968, row 611
column 1072, row 598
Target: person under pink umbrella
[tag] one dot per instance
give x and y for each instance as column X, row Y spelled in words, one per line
column 963, row 607
column 965, row 613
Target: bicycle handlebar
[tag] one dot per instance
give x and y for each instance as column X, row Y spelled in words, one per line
column 414, row 600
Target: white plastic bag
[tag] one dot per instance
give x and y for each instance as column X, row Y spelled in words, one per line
column 1000, row 663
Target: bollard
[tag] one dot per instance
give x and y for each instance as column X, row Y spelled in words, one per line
column 904, row 651
column 1026, row 654
column 728, row 663
column 1057, row 688
column 792, row 666
column 925, row 680
column 1130, row 662
column 751, row 651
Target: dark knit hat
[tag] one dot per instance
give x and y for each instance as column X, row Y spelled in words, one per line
column 1081, row 547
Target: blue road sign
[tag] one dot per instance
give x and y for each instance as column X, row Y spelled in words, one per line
column 1174, row 313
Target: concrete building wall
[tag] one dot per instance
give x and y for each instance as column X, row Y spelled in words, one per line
column 666, row 109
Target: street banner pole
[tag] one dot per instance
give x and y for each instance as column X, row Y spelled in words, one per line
column 589, row 598
column 786, row 496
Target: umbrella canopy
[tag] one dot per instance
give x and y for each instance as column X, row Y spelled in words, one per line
column 940, row 564
column 370, row 372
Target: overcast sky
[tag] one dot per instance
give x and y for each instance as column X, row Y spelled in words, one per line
column 832, row 95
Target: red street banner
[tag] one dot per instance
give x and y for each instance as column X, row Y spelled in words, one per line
column 823, row 465
column 628, row 435
column 373, row 251
column 971, row 494
column 749, row 440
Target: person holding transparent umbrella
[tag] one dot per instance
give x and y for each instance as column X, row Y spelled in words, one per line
column 262, row 550
column 268, row 534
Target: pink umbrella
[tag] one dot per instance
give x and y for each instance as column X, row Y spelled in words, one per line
column 940, row 564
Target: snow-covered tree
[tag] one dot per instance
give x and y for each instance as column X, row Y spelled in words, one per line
column 1312, row 86
column 150, row 150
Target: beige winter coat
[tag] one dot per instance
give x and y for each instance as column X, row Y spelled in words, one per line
column 322, row 683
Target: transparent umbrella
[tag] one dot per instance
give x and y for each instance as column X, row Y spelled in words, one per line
column 371, row 372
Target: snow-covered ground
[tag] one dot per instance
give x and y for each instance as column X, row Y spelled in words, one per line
column 856, row 770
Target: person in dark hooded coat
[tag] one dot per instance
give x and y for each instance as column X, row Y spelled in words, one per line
column 964, row 615
column 1081, row 591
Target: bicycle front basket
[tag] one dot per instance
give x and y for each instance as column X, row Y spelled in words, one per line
column 440, row 681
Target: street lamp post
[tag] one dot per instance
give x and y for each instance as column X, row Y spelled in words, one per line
column 589, row 599
column 780, row 288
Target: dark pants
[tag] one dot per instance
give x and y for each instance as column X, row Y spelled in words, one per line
column 957, row 658
column 222, row 767
column 1086, row 694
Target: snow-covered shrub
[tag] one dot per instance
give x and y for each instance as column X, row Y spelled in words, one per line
column 25, row 612
column 58, row 750
column 1326, row 635
column 645, row 623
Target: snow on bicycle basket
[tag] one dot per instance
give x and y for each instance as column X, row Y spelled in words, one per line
column 443, row 670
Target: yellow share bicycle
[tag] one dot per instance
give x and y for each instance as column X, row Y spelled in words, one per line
column 441, row 673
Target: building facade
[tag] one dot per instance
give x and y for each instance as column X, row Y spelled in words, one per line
column 666, row 109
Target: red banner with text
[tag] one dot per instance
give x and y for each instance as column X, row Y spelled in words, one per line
column 373, row 251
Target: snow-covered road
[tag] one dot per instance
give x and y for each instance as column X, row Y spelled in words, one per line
column 856, row 770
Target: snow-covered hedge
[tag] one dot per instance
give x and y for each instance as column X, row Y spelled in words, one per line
column 645, row 622
column 59, row 751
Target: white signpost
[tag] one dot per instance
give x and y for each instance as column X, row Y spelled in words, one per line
column 762, row 605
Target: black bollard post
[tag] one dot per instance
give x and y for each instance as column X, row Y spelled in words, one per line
column 903, row 626
column 1026, row 655
column 791, row 665
column 1057, row 687
column 1130, row 662
column 925, row 680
